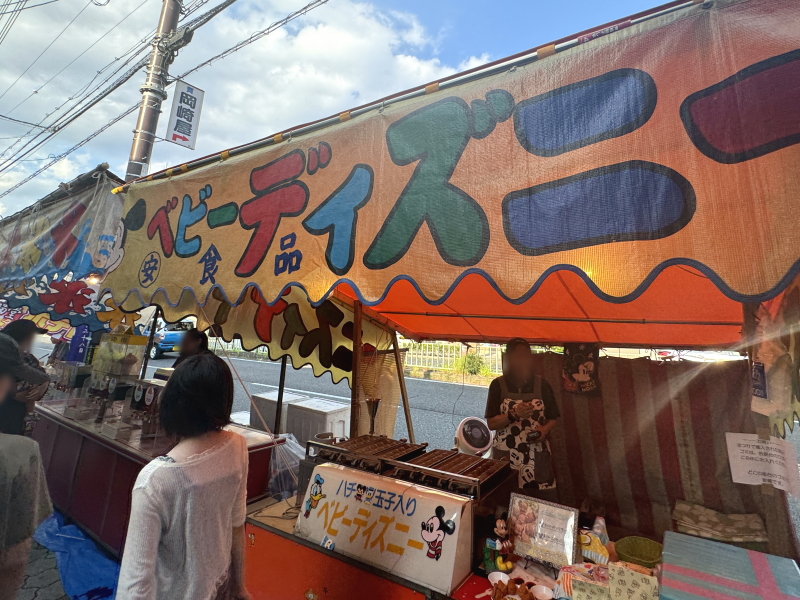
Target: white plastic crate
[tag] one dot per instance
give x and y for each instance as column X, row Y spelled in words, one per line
column 307, row 418
column 267, row 403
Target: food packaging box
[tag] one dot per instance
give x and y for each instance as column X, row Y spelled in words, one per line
column 695, row 568
column 581, row 571
column 630, row 584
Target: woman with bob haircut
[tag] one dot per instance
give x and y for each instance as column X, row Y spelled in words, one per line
column 186, row 530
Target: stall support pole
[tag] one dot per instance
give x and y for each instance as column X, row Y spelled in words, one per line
column 401, row 376
column 281, row 383
column 143, row 374
column 356, row 384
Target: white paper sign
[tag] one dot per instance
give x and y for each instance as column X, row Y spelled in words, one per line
column 754, row 461
column 184, row 117
column 415, row 532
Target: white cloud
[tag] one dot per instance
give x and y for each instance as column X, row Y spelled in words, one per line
column 474, row 61
column 339, row 56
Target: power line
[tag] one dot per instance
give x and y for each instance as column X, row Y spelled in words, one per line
column 23, row 7
column 41, row 87
column 46, row 49
column 68, row 118
column 254, row 37
column 63, row 155
column 22, row 122
column 134, row 51
column 13, row 15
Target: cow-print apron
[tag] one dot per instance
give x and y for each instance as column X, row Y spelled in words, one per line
column 516, row 440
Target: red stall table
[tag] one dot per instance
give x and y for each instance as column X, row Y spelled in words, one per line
column 90, row 476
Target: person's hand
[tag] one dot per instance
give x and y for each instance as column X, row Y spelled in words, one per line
column 546, row 429
column 523, row 410
column 32, row 393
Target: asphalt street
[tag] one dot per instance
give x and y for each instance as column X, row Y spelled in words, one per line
column 436, row 407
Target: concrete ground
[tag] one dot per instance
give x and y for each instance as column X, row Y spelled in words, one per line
column 42, row 581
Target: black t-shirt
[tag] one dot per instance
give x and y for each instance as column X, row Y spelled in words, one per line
column 12, row 416
column 495, row 399
column 12, row 412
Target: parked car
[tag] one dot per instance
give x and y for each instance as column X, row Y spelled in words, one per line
column 168, row 337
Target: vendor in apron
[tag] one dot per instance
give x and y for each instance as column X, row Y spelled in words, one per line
column 522, row 410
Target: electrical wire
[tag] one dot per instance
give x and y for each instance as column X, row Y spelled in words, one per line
column 41, row 87
column 63, row 155
column 23, row 7
column 67, row 118
column 82, row 93
column 46, row 49
column 13, row 15
column 255, row 37
column 64, row 121
column 19, row 121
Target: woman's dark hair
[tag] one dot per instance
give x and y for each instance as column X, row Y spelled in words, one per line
column 22, row 330
column 198, row 397
column 198, row 336
column 513, row 343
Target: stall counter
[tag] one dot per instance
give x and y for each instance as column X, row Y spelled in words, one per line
column 279, row 564
column 90, row 476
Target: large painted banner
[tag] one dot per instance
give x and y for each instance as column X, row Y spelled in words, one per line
column 672, row 141
column 54, row 256
column 321, row 336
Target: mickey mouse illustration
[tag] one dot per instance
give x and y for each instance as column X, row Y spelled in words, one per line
column 360, row 489
column 434, row 530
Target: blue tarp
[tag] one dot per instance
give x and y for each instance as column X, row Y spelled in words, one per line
column 86, row 572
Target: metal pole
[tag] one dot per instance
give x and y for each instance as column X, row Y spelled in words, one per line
column 281, row 383
column 401, row 376
column 153, row 92
column 153, row 325
column 354, row 398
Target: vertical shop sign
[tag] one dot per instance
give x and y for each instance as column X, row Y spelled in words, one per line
column 184, row 117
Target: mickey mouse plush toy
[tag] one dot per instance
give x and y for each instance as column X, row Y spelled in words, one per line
column 434, row 530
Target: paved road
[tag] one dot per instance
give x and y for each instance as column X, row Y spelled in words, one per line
column 436, row 407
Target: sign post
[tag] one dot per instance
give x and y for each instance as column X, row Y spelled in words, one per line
column 184, row 116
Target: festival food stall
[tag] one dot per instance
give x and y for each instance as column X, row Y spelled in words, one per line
column 97, row 424
column 632, row 185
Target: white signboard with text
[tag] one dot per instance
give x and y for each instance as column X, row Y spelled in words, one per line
column 418, row 533
column 755, row 461
column 184, row 117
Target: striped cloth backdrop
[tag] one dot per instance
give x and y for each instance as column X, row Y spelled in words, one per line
column 656, row 435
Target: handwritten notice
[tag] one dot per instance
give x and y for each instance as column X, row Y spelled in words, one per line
column 755, row 462
column 544, row 531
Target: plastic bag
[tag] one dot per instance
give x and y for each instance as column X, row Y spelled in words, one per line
column 86, row 572
column 285, row 467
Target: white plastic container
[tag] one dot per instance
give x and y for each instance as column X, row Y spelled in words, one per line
column 267, row 404
column 307, row 418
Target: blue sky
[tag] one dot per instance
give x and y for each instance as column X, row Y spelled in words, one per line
column 503, row 27
column 343, row 54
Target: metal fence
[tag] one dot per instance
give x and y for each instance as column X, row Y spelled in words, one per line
column 234, row 346
column 443, row 356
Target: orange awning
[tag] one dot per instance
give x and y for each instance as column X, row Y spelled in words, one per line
column 681, row 308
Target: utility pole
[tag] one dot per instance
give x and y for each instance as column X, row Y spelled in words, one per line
column 165, row 45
